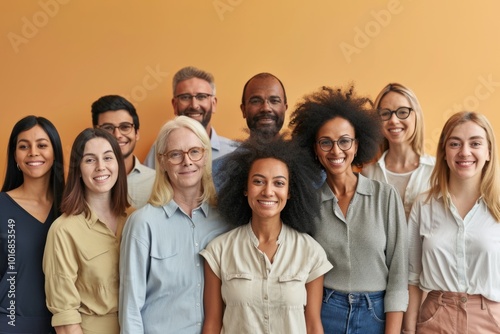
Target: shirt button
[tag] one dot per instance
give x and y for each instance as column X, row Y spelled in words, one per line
column 265, row 297
column 266, row 317
column 198, row 304
column 197, row 264
column 463, row 299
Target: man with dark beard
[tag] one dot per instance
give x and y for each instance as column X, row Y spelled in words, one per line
column 118, row 116
column 194, row 96
column 263, row 104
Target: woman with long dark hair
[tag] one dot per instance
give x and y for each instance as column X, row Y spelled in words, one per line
column 29, row 202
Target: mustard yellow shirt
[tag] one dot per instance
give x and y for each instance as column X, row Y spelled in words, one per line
column 81, row 270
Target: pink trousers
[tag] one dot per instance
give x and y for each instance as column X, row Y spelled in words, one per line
column 458, row 313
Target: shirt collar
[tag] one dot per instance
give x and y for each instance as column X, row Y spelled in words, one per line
column 171, row 207
column 253, row 238
column 214, row 140
column 364, row 187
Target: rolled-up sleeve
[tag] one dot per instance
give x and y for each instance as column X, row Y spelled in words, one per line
column 61, row 268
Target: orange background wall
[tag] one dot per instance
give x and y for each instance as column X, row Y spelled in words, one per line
column 58, row 56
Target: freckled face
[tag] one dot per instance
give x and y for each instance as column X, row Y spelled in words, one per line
column 267, row 187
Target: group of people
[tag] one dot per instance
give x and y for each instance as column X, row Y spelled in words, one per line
column 343, row 225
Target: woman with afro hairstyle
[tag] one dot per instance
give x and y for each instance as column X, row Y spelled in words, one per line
column 266, row 276
column 361, row 224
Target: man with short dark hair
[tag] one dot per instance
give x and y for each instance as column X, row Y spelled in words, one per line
column 118, row 116
column 194, row 97
column 263, row 105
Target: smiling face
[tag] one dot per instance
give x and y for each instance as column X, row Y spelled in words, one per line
column 198, row 110
column 336, row 161
column 188, row 173
column 267, row 188
column 467, row 151
column 34, row 153
column 397, row 130
column 265, row 106
column 99, row 167
column 128, row 141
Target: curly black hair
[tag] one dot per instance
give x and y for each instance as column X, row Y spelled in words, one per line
column 303, row 203
column 327, row 103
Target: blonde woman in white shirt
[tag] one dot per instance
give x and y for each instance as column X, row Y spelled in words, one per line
column 403, row 162
column 454, row 235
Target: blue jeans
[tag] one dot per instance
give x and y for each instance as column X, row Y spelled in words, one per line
column 353, row 313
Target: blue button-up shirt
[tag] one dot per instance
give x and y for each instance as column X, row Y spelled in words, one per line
column 161, row 271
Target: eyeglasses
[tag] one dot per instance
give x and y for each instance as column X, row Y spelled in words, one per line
column 124, row 128
column 326, row 144
column 176, row 157
column 401, row 113
column 186, row 98
column 257, row 101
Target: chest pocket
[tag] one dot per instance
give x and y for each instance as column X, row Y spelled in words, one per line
column 293, row 289
column 99, row 265
column 239, row 288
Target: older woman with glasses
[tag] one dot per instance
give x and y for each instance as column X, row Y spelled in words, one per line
column 402, row 163
column 361, row 224
column 161, row 272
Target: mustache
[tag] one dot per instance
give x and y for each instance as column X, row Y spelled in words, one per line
column 266, row 115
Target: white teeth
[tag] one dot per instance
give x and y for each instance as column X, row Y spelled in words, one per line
column 337, row 161
column 267, row 202
column 101, row 178
column 395, row 130
column 37, row 163
column 465, row 163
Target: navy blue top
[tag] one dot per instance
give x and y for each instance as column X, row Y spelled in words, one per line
column 22, row 294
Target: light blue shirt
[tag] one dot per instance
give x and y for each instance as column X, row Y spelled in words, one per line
column 220, row 146
column 161, row 272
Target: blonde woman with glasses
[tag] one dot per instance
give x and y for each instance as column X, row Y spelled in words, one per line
column 403, row 162
column 161, row 272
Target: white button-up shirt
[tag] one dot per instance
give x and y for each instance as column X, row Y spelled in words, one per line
column 452, row 254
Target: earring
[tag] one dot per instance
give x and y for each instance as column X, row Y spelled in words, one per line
column 18, row 167
column 245, row 193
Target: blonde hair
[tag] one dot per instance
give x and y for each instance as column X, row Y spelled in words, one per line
column 163, row 191
column 489, row 187
column 417, row 139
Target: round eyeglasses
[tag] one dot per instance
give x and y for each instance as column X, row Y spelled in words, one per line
column 186, row 98
column 326, row 144
column 124, row 128
column 176, row 157
column 401, row 113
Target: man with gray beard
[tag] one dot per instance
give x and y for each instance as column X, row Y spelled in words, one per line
column 194, row 97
